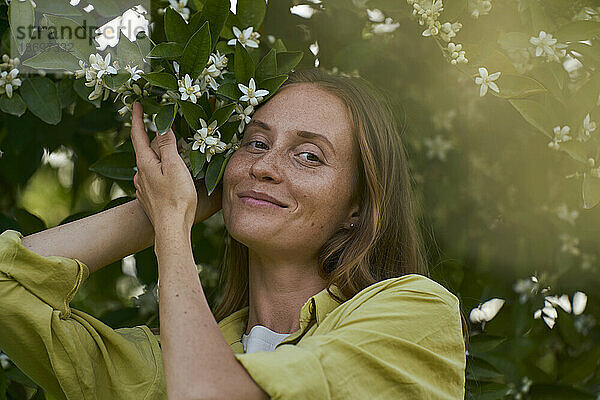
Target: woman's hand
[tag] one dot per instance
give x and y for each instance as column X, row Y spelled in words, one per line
column 163, row 183
column 207, row 205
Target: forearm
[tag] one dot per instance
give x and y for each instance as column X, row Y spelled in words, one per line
column 198, row 362
column 97, row 240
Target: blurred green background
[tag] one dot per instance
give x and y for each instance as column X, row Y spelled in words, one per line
column 497, row 205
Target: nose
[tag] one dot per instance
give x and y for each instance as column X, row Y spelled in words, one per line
column 266, row 167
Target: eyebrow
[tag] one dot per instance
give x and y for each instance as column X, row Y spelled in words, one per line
column 301, row 133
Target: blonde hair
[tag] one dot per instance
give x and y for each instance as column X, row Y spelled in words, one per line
column 385, row 242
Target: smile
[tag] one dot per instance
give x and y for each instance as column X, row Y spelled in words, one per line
column 251, row 201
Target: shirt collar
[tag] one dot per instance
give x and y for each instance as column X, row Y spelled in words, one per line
column 315, row 309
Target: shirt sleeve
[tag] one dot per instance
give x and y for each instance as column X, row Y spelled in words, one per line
column 69, row 353
column 402, row 343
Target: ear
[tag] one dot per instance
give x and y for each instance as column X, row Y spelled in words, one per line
column 353, row 214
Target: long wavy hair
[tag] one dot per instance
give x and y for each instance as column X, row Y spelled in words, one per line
column 386, row 241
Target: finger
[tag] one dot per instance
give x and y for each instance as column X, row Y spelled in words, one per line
column 167, row 146
column 139, row 137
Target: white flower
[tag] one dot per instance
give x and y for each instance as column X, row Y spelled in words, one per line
column 448, row 30
column 562, row 302
column 479, row 7
column 579, row 302
column 9, row 82
column 251, row 94
column 375, row 15
column 386, row 27
column 189, row 90
column 184, row 151
column 208, row 76
column 214, row 147
column 546, row 45
column 486, row 311
column 102, row 65
column 588, row 126
column 561, row 135
column 486, row 80
column 437, row 147
column 549, row 314
column 81, row 72
column 218, row 60
column 133, row 71
column 246, row 37
column 456, row 54
column 242, row 115
column 204, row 135
column 4, row 361
column 181, row 7
column 234, row 144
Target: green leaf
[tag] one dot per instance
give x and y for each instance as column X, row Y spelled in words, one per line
column 229, row 90
column 106, row 8
column 162, row 79
column 21, row 16
column 176, row 29
column 167, row 50
column 518, row 86
column 221, row 115
column 482, row 370
column 13, row 106
column 54, row 57
column 578, row 31
column 231, row 21
column 279, row 46
column 118, row 166
column 483, row 343
column 197, row 160
column 557, row 392
column 243, row 65
column 251, row 13
column 272, row 85
column 196, row 52
column 287, row 60
column 535, row 114
column 514, row 40
column 66, row 94
column 150, row 105
column 215, row 12
column 192, row 113
column 41, row 97
column 128, row 52
column 590, row 190
column 267, row 67
column 577, row 150
column 579, row 369
column 165, row 118
column 215, row 169
column 540, row 20
column 113, row 82
column 68, row 37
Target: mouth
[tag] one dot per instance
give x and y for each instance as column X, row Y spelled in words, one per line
column 259, row 199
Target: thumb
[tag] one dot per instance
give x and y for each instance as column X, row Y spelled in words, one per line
column 167, row 146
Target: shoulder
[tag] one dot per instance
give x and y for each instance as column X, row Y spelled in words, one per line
column 413, row 287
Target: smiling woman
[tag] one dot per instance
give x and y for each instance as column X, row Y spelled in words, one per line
column 326, row 291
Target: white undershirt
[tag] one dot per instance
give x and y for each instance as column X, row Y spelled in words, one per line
column 262, row 338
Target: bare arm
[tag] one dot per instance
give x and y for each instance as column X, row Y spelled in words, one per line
column 97, row 240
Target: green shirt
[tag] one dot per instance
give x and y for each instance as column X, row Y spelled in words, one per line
column 399, row 338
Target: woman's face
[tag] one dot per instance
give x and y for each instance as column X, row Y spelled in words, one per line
column 298, row 149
